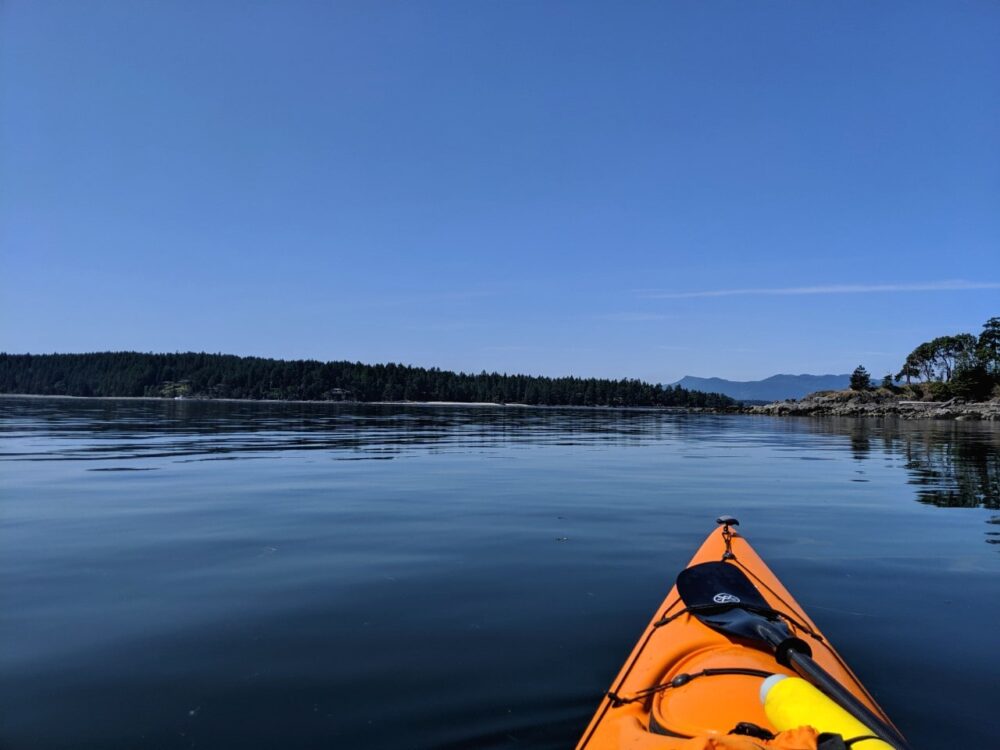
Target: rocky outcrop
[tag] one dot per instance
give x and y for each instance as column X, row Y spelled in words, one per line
column 879, row 404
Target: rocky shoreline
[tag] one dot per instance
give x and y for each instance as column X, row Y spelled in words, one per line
column 879, row 404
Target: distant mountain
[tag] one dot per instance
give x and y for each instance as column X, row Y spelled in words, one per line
column 774, row 388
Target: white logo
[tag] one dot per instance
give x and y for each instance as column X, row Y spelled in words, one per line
column 726, row 599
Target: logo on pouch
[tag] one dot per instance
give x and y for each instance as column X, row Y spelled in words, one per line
column 724, row 598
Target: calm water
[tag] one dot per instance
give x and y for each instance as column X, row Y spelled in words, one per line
column 181, row 574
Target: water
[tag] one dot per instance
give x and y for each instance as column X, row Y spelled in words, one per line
column 183, row 574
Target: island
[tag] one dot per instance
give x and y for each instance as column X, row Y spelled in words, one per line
column 194, row 375
column 948, row 377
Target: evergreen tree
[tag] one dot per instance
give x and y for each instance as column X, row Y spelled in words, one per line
column 860, row 379
column 988, row 347
column 200, row 375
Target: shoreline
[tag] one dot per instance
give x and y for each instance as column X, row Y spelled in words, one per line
column 869, row 404
column 477, row 404
column 836, row 404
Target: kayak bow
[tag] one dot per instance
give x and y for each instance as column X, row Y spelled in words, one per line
column 704, row 666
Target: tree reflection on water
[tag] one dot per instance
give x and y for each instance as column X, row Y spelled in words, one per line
column 951, row 464
column 956, row 473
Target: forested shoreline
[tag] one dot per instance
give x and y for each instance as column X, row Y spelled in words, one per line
column 223, row 376
column 963, row 366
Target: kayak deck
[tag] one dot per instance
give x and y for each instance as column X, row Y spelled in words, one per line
column 644, row 710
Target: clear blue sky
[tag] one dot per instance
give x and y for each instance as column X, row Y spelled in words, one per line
column 640, row 189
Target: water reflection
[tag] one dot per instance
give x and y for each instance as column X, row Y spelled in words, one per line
column 255, row 574
column 950, row 464
column 98, row 430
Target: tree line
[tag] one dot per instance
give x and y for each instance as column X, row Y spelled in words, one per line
column 201, row 375
column 962, row 365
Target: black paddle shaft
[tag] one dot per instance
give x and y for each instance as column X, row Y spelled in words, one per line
column 722, row 597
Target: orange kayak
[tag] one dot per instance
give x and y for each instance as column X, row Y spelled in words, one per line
column 689, row 685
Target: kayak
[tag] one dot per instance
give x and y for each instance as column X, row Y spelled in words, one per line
column 731, row 660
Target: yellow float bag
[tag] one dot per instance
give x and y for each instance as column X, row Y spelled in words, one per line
column 791, row 702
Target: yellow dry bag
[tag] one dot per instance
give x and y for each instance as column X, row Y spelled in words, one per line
column 791, row 702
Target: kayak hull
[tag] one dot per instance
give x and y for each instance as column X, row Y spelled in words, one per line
column 676, row 643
